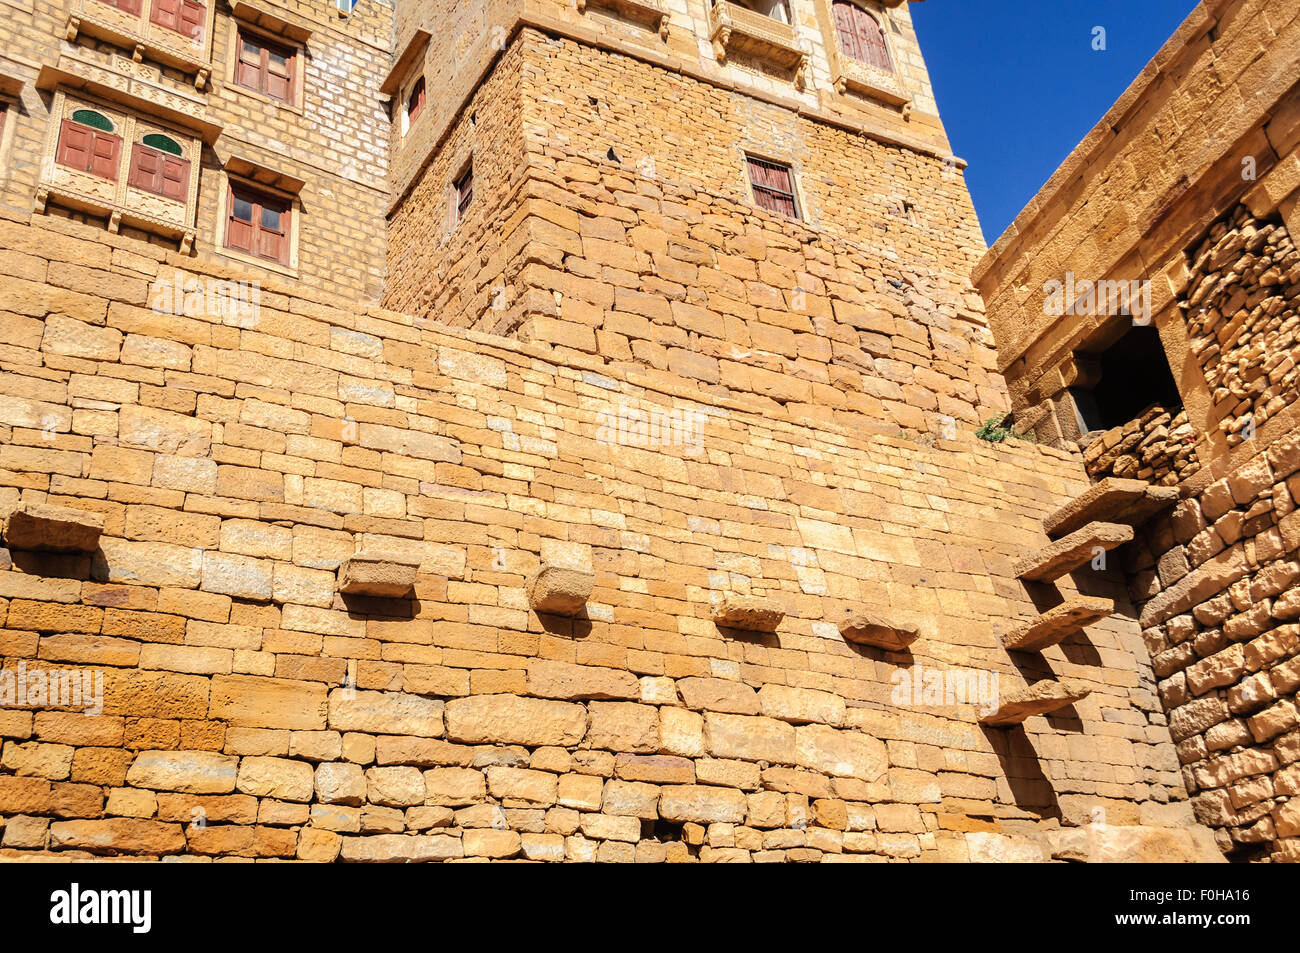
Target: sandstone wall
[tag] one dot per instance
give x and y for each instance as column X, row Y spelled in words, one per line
column 335, row 141
column 252, row 711
column 1190, row 183
column 656, row 257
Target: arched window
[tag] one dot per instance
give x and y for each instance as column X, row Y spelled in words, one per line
column 157, row 166
column 95, row 120
column 87, row 144
column 163, row 144
column 861, row 36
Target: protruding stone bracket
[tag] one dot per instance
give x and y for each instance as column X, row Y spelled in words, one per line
column 1113, row 500
column 559, row 590
column 59, row 529
column 378, row 574
column 881, row 628
column 1041, row 698
column 746, row 613
column 1057, row 624
column 1066, row 555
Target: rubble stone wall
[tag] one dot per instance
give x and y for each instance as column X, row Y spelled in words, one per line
column 1218, row 583
column 1159, row 447
column 249, row 710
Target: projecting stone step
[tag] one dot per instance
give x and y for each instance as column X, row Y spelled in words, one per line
column 1057, row 623
column 1066, row 555
column 559, row 590
column 747, row 613
column 59, row 529
column 1113, row 500
column 378, row 574
column 879, row 628
column 1038, row 699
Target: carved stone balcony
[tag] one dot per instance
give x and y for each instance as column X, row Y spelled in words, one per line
column 137, row 33
column 872, row 81
column 734, row 28
column 651, row 12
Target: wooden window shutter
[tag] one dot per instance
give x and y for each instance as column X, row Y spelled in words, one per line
column 166, row 13
column 126, row 6
column 258, row 225
column 416, row 101
column 88, row 150
column 146, row 170
column 74, row 146
column 861, row 35
column 845, row 28
column 773, row 187
column 175, row 179
column 193, row 19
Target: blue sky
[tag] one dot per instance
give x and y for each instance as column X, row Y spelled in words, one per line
column 1019, row 84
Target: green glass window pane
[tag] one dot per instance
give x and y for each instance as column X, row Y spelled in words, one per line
column 163, row 144
column 88, row 117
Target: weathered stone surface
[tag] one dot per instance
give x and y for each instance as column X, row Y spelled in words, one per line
column 253, row 702
column 400, row 848
column 718, row 694
column 1040, row 698
column 38, row 526
column 840, row 753
column 1057, row 623
column 385, row 713
column 1111, row 844
column 510, row 719
column 882, row 628
column 801, row 705
column 702, row 804
column 190, row 772
column 550, row 679
column 1066, row 555
column 118, row 835
column 278, row 778
column 383, row 575
column 559, row 590
column 747, row 613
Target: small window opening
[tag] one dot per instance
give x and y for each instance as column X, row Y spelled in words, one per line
column 1127, row 378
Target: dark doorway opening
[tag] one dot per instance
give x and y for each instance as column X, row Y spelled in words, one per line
column 1126, row 378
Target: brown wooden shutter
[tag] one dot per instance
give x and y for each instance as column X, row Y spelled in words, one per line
column 845, row 27
column 861, row 35
column 175, row 179
column 193, row 19
column 239, row 233
column 104, row 154
column 166, row 13
column 773, row 187
column 146, row 169
column 74, row 146
column 416, row 101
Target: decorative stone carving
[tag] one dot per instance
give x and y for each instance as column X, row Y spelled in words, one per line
column 735, row 27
